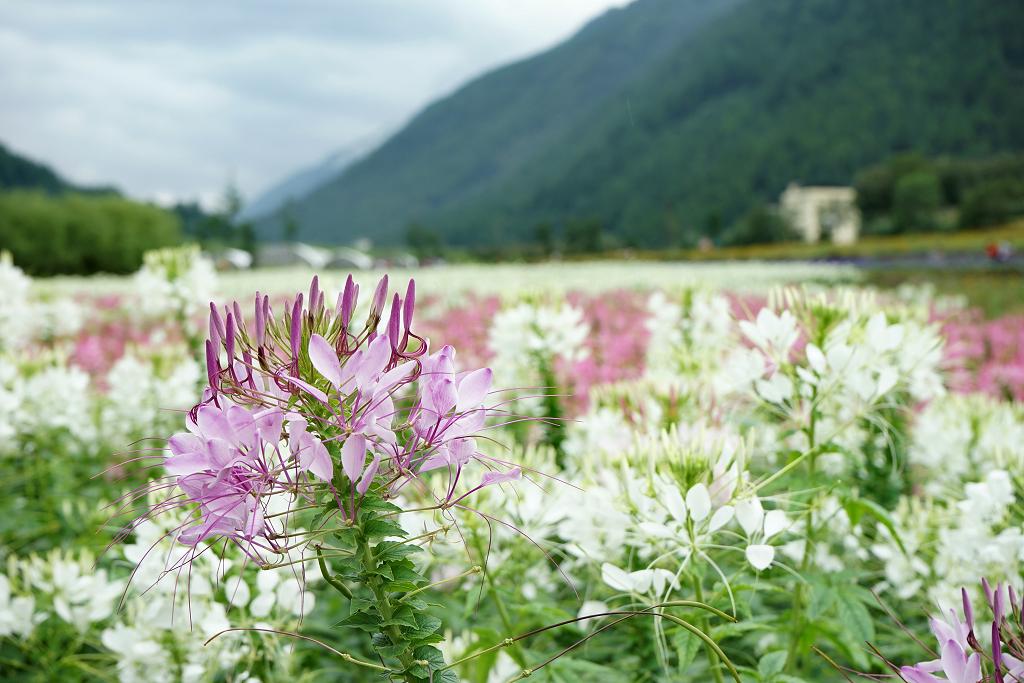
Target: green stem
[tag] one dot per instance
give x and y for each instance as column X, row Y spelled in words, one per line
column 475, row 569
column 713, row 659
column 383, row 603
column 793, row 655
column 338, row 585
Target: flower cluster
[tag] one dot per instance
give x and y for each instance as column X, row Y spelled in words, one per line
column 961, row 656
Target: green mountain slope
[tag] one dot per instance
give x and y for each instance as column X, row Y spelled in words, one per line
column 756, row 95
column 17, row 171
column 20, row 172
column 485, row 133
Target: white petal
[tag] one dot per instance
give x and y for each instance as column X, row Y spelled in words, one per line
column 616, row 578
column 642, row 580
column 750, row 514
column 722, row 516
column 674, row 502
column 816, row 359
column 774, row 522
column 698, row 500
column 760, row 556
column 590, row 608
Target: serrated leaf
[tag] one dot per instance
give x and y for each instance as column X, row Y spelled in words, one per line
column 446, row 676
column 857, row 507
column 377, row 504
column 364, row 621
column 403, row 616
column 389, row 551
column 427, row 622
column 389, row 650
column 430, row 654
column 854, row 617
column 822, row 599
column 405, row 576
column 383, row 570
column 383, row 528
column 416, row 603
column 687, row 647
column 357, row 604
column 771, row 664
column 347, row 567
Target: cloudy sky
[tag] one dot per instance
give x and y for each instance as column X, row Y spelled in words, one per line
column 173, row 99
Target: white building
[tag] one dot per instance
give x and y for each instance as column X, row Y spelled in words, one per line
column 818, row 213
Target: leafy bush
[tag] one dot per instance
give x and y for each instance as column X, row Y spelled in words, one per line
column 916, row 200
column 75, row 233
column 992, row 203
column 761, row 225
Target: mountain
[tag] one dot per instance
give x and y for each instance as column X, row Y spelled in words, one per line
column 482, row 135
column 20, row 172
column 17, row 171
column 667, row 119
column 301, row 183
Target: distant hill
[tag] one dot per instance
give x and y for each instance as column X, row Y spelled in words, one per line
column 667, row 119
column 298, row 185
column 17, row 171
column 20, row 172
column 487, row 132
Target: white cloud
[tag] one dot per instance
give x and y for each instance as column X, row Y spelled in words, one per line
column 173, row 99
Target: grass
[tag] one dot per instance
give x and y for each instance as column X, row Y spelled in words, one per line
column 871, row 246
column 995, row 291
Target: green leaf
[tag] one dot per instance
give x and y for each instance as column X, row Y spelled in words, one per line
column 403, row 616
column 405, row 576
column 771, row 664
column 357, row 604
column 446, row 676
column 822, row 599
column 687, row 647
column 387, row 650
column 383, row 528
column 432, row 655
column 389, row 551
column 857, row 507
column 347, row 567
column 371, row 503
column 854, row 617
column 364, row 621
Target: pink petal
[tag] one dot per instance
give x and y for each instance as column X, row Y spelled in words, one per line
column 394, row 376
column 325, row 359
column 915, row 675
column 440, row 458
column 184, row 464
column 184, row 443
column 473, row 389
column 243, row 425
column 269, row 422
column 443, row 395
column 308, row 388
column 313, row 456
column 954, row 662
column 490, row 478
column 364, row 483
column 378, row 353
column 462, row 450
column 213, row 424
column 353, row 456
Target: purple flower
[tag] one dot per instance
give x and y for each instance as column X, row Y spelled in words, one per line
column 954, row 663
column 229, row 463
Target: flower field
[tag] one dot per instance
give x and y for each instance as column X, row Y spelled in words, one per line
column 567, row 472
